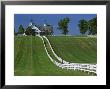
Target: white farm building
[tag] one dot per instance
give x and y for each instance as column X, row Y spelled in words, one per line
column 41, row 30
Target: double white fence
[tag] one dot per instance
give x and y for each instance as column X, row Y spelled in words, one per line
column 66, row 65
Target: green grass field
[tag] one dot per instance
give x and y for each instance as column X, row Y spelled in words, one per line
column 75, row 49
column 30, row 58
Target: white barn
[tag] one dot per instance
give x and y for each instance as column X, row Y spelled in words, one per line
column 39, row 30
column 42, row 29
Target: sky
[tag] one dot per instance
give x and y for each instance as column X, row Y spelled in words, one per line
column 51, row 19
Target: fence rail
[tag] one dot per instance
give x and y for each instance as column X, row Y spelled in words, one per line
column 70, row 66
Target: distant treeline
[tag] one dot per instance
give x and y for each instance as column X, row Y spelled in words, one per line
column 86, row 27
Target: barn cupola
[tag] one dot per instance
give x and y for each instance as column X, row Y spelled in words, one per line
column 45, row 25
column 31, row 23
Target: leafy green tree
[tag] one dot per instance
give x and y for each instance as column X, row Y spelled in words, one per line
column 63, row 25
column 88, row 26
column 30, row 31
column 21, row 30
column 93, row 26
column 83, row 26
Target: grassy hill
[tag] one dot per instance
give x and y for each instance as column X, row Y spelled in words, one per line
column 75, row 49
column 30, row 58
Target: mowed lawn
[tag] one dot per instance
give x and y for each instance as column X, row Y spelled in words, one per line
column 30, row 59
column 75, row 49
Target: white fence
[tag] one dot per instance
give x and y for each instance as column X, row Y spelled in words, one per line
column 66, row 65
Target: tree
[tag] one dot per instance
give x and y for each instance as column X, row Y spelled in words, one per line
column 83, row 26
column 63, row 25
column 88, row 26
column 21, row 30
column 30, row 31
column 93, row 26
